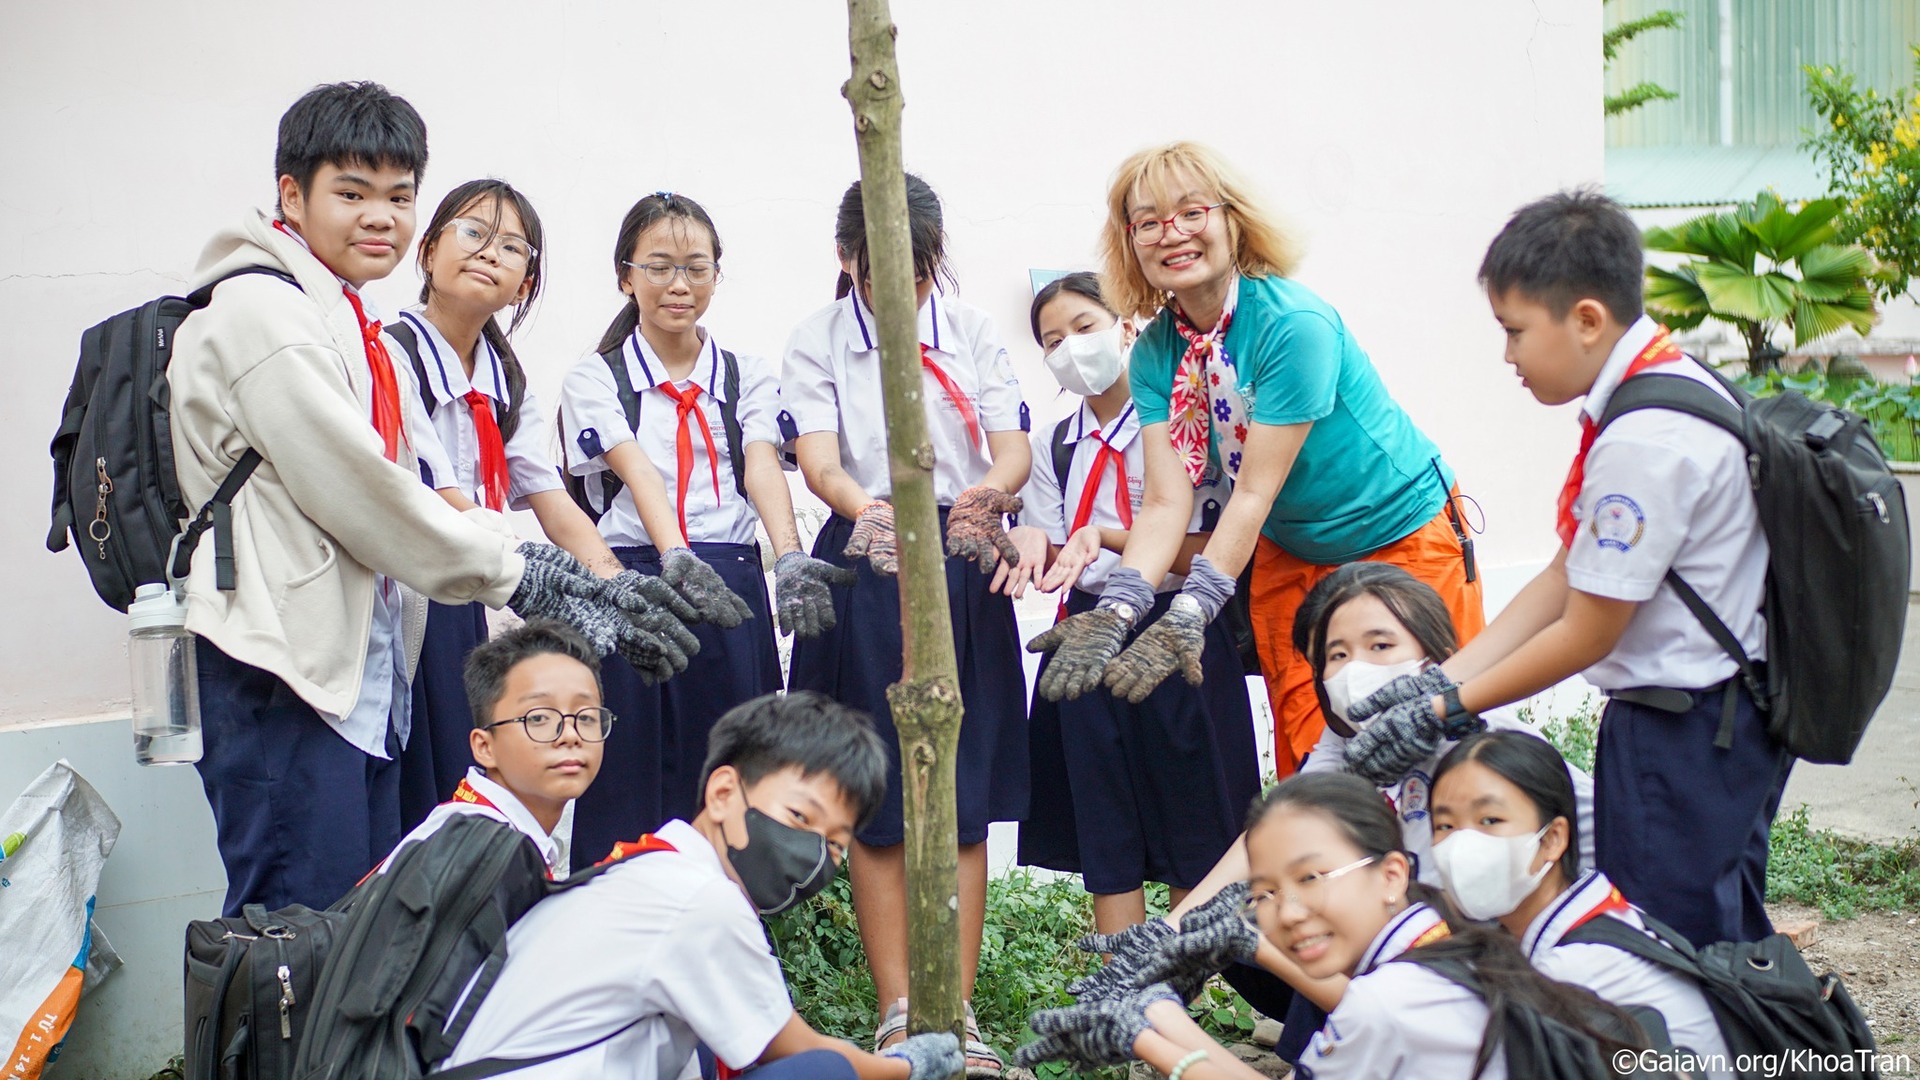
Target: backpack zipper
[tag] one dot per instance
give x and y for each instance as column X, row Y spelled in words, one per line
column 286, row 1001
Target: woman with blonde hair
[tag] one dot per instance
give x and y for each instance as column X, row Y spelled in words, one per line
column 1245, row 368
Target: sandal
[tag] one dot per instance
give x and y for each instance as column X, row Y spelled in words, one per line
column 983, row 1063
column 893, row 1026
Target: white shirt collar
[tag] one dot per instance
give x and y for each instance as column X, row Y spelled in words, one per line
column 1119, row 433
column 446, row 375
column 1615, row 369
column 1567, row 911
column 647, row 370
column 692, row 843
column 507, row 803
column 1398, row 936
column 934, row 328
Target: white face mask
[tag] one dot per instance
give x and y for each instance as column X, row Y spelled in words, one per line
column 1360, row 680
column 1087, row 364
column 1486, row 876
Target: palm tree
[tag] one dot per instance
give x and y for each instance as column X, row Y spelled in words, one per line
column 1761, row 266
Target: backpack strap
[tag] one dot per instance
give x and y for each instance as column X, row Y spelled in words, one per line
column 1691, row 397
column 475, row 1070
column 610, row 483
column 730, row 420
column 1062, row 456
column 1669, row 951
column 409, row 341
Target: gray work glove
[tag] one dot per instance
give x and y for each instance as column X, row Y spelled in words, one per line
column 1127, row 951
column 1083, row 644
column 1392, row 743
column 934, row 1055
column 977, row 527
column 1176, row 639
column 1430, row 683
column 1211, row 937
column 873, row 539
column 802, row 596
column 555, row 586
column 1092, row 1033
column 700, row 585
column 652, row 605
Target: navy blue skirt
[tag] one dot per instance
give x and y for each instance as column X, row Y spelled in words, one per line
column 857, row 660
column 440, row 749
column 1151, row 792
column 651, row 771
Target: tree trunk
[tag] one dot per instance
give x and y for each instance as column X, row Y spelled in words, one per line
column 926, row 700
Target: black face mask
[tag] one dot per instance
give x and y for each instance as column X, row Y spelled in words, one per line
column 781, row 866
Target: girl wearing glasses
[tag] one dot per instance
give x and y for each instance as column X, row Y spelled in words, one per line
column 1334, row 892
column 975, row 422
column 674, row 440
column 486, row 448
column 1247, row 369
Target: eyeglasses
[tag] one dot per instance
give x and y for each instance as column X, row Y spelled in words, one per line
column 662, row 273
column 1310, row 892
column 544, row 725
column 475, row 237
column 1185, row 223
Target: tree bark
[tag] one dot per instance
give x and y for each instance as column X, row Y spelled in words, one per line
column 926, row 701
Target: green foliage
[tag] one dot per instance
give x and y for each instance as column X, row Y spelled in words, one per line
column 1870, row 148
column 176, row 1068
column 1575, row 735
column 1761, row 266
column 1618, row 35
column 1841, row 876
column 1892, row 410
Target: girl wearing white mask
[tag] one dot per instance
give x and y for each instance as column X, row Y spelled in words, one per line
column 1148, row 792
column 1506, row 842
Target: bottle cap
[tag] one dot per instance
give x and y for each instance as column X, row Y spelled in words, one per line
column 156, row 607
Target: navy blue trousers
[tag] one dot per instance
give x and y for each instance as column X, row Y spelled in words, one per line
column 857, row 660
column 810, row 1065
column 1681, row 825
column 1151, row 792
column 301, row 815
column 658, row 748
column 440, row 748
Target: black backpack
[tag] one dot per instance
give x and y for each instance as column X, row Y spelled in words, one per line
column 1766, row 1000
column 506, row 415
column 424, row 944
column 1837, row 577
column 249, row 990
column 115, row 491
column 597, row 504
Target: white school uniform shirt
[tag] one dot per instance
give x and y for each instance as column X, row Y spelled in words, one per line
column 1624, row 980
column 666, row 939
column 457, row 465
column 831, row 382
column 1051, row 510
column 1667, row 490
column 556, row 848
column 590, row 413
column 1401, row 1020
column 1412, row 797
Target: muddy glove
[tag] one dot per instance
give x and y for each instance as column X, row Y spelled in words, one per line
column 1211, row 937
column 801, row 593
column 1392, row 743
column 555, row 586
column 1175, row 640
column 1430, row 683
column 1083, row 644
column 1092, row 1033
column 700, row 585
column 873, row 538
column 1128, row 951
column 653, row 606
column 977, row 528
column 934, row 1055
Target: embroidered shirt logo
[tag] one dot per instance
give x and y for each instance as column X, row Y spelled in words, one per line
column 1617, row 522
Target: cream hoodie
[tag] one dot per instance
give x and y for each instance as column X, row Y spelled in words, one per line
column 283, row 370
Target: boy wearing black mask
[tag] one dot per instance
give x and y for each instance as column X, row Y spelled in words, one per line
column 665, row 952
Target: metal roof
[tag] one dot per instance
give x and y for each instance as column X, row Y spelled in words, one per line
column 1652, row 176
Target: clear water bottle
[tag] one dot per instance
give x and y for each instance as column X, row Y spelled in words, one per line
column 166, row 679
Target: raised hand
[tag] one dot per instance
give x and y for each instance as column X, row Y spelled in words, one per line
column 803, row 595
column 976, row 526
column 873, row 539
column 1014, row 575
column 1081, row 646
column 1173, row 643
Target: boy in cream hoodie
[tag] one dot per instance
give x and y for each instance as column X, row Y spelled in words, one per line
column 305, row 661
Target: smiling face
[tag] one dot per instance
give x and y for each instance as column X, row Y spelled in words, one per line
column 1324, row 924
column 1176, row 263
column 358, row 220
column 1364, row 629
column 542, row 775
column 676, row 307
column 478, row 280
column 1557, row 359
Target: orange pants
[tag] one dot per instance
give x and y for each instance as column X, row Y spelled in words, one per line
column 1280, row 585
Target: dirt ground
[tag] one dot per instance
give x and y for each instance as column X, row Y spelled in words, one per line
column 1879, row 957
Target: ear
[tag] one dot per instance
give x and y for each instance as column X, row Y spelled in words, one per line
column 1553, row 844
column 1395, row 875
column 292, row 202
column 724, row 790
column 1589, row 318
column 1127, row 332
column 482, row 744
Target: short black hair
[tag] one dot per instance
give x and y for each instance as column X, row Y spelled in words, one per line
column 925, row 225
column 1570, row 246
column 491, row 661
column 1081, row 282
column 804, row 729
column 349, row 123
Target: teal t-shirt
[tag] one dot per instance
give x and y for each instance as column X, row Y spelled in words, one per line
column 1365, row 475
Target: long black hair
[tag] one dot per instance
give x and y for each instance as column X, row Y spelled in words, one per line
column 1509, row 980
column 645, row 214
column 1531, row 764
column 1081, row 283
column 924, row 222
column 499, row 194
column 1410, row 600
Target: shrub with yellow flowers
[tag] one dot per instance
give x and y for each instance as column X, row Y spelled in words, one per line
column 1869, row 145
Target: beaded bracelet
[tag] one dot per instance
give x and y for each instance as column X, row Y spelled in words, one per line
column 1181, row 1065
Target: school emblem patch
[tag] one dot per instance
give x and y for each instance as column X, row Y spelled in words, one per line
column 1412, row 803
column 1617, row 522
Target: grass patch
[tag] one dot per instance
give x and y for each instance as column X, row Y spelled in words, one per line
column 1841, row 876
